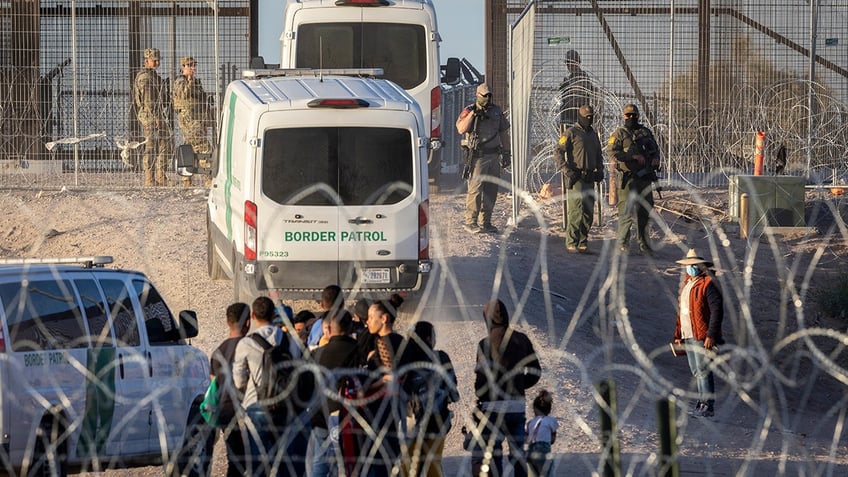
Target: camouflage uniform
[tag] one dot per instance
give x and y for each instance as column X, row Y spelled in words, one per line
column 151, row 101
column 192, row 112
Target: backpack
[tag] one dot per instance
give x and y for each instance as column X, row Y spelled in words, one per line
column 428, row 394
column 283, row 390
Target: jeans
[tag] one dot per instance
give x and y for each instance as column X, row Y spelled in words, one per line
column 699, row 364
column 538, row 458
column 276, row 450
column 323, row 453
column 497, row 428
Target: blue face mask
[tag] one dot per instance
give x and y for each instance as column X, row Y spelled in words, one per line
column 692, row 270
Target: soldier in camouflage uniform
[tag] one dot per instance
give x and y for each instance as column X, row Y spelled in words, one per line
column 151, row 100
column 191, row 106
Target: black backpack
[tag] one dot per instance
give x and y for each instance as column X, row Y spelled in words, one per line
column 286, row 388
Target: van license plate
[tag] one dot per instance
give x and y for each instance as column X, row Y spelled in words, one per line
column 376, row 275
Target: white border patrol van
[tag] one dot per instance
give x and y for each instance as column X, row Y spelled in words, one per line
column 399, row 36
column 95, row 371
column 318, row 179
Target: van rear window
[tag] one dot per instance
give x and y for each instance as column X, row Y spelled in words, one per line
column 332, row 166
column 400, row 49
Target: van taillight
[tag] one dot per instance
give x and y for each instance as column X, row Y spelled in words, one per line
column 338, row 103
column 424, row 230
column 249, row 230
column 436, row 112
column 2, row 342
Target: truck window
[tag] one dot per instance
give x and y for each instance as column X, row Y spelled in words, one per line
column 43, row 315
column 400, row 49
column 96, row 313
column 121, row 310
column 157, row 317
column 325, row 166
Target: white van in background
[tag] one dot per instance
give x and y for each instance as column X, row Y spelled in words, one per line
column 317, row 179
column 399, row 36
column 95, row 372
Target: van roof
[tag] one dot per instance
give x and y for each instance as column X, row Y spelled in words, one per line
column 395, row 3
column 297, row 92
column 16, row 267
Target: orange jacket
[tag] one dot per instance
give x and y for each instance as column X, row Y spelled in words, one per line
column 706, row 309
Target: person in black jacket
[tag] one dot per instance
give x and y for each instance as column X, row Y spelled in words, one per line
column 506, row 366
column 338, row 354
column 221, row 363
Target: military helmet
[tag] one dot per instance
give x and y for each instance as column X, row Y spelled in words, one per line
column 151, row 53
column 630, row 108
column 586, row 111
column 187, row 60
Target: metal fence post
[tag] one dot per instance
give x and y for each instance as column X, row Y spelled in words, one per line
column 609, row 442
column 667, row 464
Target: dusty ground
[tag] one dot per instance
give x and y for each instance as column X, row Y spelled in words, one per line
column 782, row 387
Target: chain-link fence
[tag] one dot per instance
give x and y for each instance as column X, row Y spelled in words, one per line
column 67, row 113
column 706, row 74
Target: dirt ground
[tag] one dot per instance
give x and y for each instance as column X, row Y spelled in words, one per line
column 781, row 377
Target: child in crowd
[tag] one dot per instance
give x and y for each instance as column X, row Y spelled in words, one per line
column 541, row 434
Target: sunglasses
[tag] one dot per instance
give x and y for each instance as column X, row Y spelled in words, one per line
column 630, row 115
column 487, row 95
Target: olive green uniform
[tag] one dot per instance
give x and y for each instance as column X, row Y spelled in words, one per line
column 635, row 184
column 578, row 155
column 151, row 101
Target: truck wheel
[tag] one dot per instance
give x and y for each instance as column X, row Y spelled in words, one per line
column 213, row 266
column 47, row 454
column 195, row 455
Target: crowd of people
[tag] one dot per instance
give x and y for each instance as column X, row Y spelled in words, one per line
column 363, row 399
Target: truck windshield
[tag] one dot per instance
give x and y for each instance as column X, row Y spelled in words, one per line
column 337, row 166
column 400, row 49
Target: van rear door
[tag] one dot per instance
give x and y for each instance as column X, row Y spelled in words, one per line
column 336, row 197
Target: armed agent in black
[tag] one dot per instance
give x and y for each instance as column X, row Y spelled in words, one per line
column 636, row 155
column 486, row 144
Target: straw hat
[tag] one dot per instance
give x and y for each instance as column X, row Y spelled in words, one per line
column 692, row 258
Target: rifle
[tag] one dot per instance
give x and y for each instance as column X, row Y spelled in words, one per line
column 644, row 140
column 470, row 142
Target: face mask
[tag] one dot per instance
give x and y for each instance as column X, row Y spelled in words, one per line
column 483, row 101
column 692, row 270
column 585, row 122
column 631, row 123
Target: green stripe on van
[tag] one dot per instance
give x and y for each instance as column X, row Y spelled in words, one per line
column 99, row 402
column 228, row 158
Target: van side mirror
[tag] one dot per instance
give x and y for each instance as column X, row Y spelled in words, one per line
column 188, row 324
column 452, row 71
column 186, row 160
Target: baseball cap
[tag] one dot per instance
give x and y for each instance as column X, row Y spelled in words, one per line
column 187, row 60
column 151, row 53
column 630, row 108
column 483, row 89
column 586, row 111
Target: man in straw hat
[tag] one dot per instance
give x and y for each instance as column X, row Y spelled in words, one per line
column 699, row 319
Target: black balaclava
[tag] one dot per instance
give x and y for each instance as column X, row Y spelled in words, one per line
column 585, row 123
column 631, row 122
